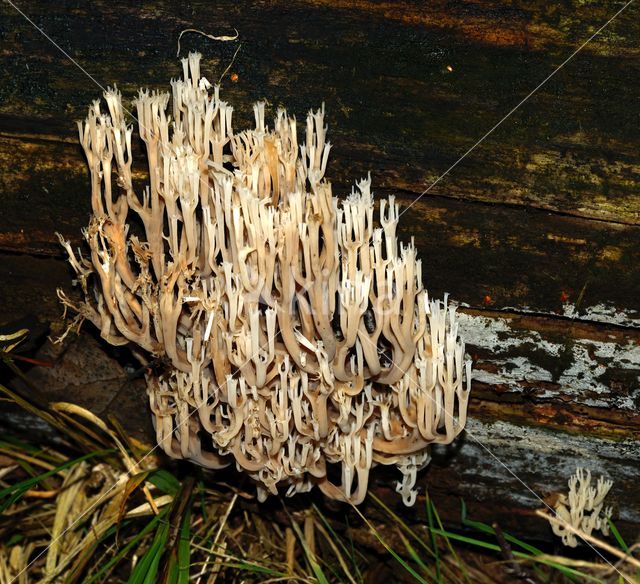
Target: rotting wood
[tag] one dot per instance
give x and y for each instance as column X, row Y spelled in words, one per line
column 551, row 392
column 492, row 257
column 394, row 106
column 539, row 429
column 503, row 466
column 551, row 360
column 525, row 463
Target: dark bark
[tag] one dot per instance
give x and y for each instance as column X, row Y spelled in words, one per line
column 536, row 232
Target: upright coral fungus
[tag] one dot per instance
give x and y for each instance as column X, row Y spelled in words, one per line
column 298, row 334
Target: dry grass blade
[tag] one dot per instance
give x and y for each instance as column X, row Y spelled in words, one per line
column 67, row 506
column 334, row 548
column 626, row 560
column 131, row 465
column 291, row 550
column 146, row 508
column 591, row 539
column 14, row 562
column 310, row 533
column 17, row 336
column 217, row 545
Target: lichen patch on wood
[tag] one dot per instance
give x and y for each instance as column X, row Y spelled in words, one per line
column 555, row 364
column 561, row 452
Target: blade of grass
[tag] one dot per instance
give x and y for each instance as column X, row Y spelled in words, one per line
column 146, row 569
column 93, row 435
column 617, row 536
column 164, row 481
column 393, row 553
column 399, row 521
column 337, row 540
column 137, row 449
column 203, row 502
column 351, row 544
column 253, row 568
column 123, row 553
column 418, row 560
column 523, row 555
column 33, row 459
column 14, row 493
column 483, row 527
column 460, row 564
column 529, row 549
column 25, row 465
column 38, row 407
column 184, row 549
column 215, row 546
column 13, row 442
column 309, row 555
column 331, row 542
column 177, row 570
column 434, row 543
column 76, row 571
column 419, row 539
column 180, row 506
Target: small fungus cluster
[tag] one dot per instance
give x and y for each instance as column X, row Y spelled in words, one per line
column 583, row 508
column 297, row 335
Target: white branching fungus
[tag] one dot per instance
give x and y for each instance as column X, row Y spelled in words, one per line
column 583, row 508
column 297, row 334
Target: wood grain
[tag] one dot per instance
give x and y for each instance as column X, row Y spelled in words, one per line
column 394, row 105
column 536, row 233
column 484, row 255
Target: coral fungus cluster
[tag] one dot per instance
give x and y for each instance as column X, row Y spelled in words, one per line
column 583, row 508
column 297, row 334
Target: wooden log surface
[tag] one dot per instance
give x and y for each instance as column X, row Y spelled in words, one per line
column 536, row 233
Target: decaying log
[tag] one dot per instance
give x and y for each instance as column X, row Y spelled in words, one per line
column 536, row 233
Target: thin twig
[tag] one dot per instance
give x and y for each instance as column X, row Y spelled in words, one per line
column 229, row 65
column 517, row 569
column 224, row 38
column 590, row 538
